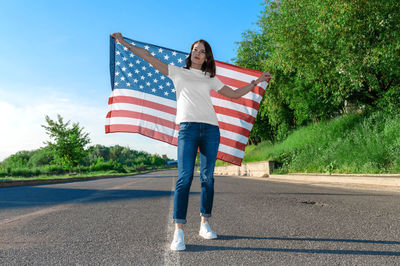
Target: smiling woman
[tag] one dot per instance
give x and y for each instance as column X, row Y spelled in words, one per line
column 198, row 126
column 201, row 57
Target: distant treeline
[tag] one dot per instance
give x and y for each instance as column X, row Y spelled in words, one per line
column 99, row 158
column 67, row 152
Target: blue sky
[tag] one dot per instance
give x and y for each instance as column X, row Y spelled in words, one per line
column 54, row 58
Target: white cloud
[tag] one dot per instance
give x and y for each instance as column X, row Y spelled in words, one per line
column 21, row 122
column 21, row 129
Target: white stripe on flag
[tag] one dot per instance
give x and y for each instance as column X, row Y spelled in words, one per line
column 229, row 73
column 232, row 135
column 141, row 109
column 234, row 121
column 231, row 150
column 142, row 95
column 234, row 106
column 141, row 123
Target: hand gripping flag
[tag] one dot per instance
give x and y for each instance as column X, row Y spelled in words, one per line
column 144, row 101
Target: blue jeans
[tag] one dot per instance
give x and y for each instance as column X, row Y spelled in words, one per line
column 193, row 136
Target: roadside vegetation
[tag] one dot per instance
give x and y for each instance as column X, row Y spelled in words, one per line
column 328, row 58
column 333, row 104
column 353, row 143
column 67, row 154
column 100, row 161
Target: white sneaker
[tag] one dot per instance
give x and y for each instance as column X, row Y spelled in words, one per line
column 206, row 231
column 178, row 242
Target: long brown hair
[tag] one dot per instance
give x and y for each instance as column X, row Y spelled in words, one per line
column 209, row 63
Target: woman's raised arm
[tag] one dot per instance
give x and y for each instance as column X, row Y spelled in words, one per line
column 142, row 53
column 235, row 94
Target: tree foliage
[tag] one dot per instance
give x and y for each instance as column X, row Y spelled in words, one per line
column 125, row 156
column 68, row 141
column 324, row 55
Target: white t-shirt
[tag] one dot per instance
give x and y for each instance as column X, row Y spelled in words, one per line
column 193, row 95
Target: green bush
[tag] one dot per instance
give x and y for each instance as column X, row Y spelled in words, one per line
column 140, row 167
column 80, row 169
column 25, row 172
column 101, row 165
column 54, row 170
column 18, row 160
column 3, row 173
column 41, row 157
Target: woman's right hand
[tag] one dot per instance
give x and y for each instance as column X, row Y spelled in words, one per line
column 266, row 76
column 117, row 36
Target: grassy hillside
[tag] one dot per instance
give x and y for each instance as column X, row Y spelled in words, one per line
column 349, row 144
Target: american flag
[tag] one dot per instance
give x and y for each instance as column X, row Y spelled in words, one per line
column 144, row 101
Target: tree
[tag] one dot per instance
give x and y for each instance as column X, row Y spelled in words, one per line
column 156, row 160
column 41, row 157
column 69, row 141
column 99, row 151
column 253, row 50
column 18, row 160
column 325, row 54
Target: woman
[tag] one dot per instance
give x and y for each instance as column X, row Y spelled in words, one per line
column 198, row 127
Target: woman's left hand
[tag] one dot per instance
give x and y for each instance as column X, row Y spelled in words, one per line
column 266, row 76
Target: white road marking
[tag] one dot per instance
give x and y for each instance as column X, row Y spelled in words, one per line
column 171, row 257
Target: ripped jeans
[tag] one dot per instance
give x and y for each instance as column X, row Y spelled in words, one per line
column 193, row 136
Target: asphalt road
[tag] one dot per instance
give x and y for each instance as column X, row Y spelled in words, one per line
column 127, row 221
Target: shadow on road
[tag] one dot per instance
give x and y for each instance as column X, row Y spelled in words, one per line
column 227, row 237
column 202, row 248
column 335, row 194
column 34, row 196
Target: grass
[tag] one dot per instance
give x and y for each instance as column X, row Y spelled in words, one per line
column 66, row 176
column 349, row 144
column 90, row 174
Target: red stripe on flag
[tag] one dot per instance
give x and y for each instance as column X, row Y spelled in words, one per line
column 229, row 112
column 238, row 84
column 252, row 72
column 114, row 128
column 241, row 101
column 142, row 102
column 142, row 116
column 229, row 158
column 233, row 128
column 233, row 143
